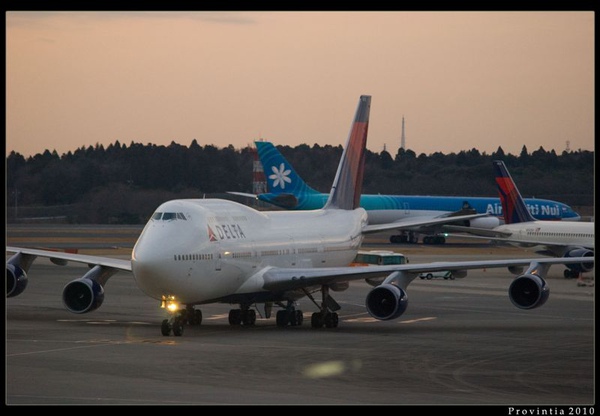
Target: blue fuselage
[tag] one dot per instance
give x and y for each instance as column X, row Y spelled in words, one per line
column 400, row 206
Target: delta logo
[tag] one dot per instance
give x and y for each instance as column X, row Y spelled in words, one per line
column 225, row 232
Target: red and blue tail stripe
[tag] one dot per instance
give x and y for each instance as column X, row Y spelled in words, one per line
column 513, row 205
column 347, row 186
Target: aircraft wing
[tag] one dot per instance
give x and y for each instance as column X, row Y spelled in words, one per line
column 62, row 258
column 277, row 278
column 281, row 200
column 253, row 196
column 419, row 222
column 553, row 246
column 481, row 232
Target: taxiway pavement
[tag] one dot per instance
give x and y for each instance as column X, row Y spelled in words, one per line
column 460, row 342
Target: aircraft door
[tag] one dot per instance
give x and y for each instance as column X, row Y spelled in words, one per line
column 217, row 255
column 293, row 252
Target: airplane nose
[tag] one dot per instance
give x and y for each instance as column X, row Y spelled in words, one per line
column 150, row 267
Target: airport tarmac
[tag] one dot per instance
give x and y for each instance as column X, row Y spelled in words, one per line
column 460, row 342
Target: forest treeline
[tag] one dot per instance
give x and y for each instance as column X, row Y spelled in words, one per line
column 125, row 184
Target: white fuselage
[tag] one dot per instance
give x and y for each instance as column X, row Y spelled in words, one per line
column 551, row 232
column 200, row 250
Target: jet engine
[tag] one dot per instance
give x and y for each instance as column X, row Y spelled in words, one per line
column 581, row 267
column 386, row 302
column 528, row 291
column 484, row 222
column 84, row 294
column 16, row 280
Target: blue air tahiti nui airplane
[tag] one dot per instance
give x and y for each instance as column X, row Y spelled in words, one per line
column 199, row 251
column 287, row 190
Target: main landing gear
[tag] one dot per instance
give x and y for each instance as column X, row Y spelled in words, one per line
column 289, row 316
column 571, row 274
column 326, row 317
column 404, row 237
column 243, row 316
column 412, row 238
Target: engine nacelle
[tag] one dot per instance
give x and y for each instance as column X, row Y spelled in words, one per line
column 339, row 286
column 386, row 302
column 83, row 295
column 528, row 291
column 16, row 280
column 485, row 222
column 581, row 267
column 516, row 270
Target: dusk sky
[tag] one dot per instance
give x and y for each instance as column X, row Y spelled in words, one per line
column 462, row 80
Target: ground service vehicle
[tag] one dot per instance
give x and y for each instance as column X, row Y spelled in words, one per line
column 446, row 274
column 380, row 257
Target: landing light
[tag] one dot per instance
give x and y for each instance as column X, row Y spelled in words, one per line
column 169, row 303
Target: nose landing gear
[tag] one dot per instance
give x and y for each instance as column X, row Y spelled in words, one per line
column 179, row 316
column 174, row 324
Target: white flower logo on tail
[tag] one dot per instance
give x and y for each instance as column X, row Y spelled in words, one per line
column 280, row 176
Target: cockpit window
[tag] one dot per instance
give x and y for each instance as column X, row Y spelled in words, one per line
column 168, row 216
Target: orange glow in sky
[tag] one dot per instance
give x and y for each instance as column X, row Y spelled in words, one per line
column 462, row 80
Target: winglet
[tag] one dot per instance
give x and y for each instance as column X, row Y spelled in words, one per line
column 347, row 185
column 513, row 206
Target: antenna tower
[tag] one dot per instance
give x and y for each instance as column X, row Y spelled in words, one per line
column 403, row 138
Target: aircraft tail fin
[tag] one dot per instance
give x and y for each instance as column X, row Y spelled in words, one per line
column 281, row 176
column 347, row 185
column 513, row 206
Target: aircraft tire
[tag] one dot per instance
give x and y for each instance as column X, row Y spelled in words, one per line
column 296, row 318
column 331, row 320
column 316, row 320
column 197, row 317
column 249, row 317
column 299, row 317
column 235, row 317
column 165, row 328
column 177, row 327
column 282, row 318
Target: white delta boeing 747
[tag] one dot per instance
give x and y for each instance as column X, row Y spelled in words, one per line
column 521, row 229
column 199, row 251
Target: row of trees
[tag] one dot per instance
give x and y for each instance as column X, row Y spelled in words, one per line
column 125, row 184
